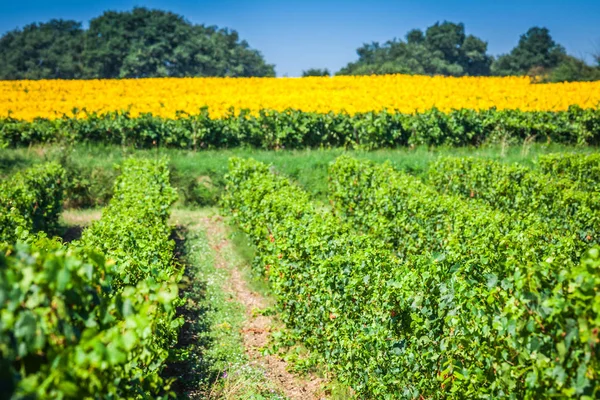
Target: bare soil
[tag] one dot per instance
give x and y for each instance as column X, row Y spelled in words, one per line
column 257, row 328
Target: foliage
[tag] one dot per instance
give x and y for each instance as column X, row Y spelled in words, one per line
column 485, row 303
column 572, row 69
column 308, row 258
column 138, row 43
column 536, row 50
column 522, row 193
column 78, row 324
column 293, row 129
column 582, row 169
column 31, row 201
column 444, row 49
column 316, row 72
column 133, row 229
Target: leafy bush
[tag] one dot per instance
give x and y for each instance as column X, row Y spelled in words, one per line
column 31, row 200
column 78, row 324
column 327, row 279
column 584, row 170
column 293, row 129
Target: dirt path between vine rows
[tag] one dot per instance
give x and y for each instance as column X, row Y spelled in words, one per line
column 256, row 328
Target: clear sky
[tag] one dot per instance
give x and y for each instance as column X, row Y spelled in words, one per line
column 297, row 35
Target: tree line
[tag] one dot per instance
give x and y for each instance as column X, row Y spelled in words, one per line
column 445, row 49
column 153, row 43
column 135, row 44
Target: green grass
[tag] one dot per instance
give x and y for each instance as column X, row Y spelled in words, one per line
column 217, row 366
column 200, row 176
column 210, row 345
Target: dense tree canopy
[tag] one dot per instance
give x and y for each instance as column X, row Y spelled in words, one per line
column 443, row 49
column 154, row 43
column 573, row 69
column 49, row 50
column 133, row 44
column 536, row 50
column 537, row 54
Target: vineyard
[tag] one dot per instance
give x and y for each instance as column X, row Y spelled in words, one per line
column 374, row 237
column 408, row 291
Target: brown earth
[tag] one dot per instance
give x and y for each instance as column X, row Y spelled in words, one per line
column 257, row 328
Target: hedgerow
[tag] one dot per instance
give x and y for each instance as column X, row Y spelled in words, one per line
column 522, row 193
column 487, row 304
column 293, row 129
column 584, row 170
column 31, row 201
column 91, row 320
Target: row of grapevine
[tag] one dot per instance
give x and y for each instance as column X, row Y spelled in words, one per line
column 299, row 129
column 95, row 319
column 439, row 297
column 523, row 193
column 331, row 283
column 493, row 305
column 584, row 170
column 31, row 201
column 133, row 229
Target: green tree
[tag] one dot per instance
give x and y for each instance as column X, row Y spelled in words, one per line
column 42, row 51
column 149, row 43
column 443, row 49
column 316, row 72
column 535, row 52
column 572, row 69
column 133, row 44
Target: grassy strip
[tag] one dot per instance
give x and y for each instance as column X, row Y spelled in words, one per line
column 217, row 366
column 200, row 176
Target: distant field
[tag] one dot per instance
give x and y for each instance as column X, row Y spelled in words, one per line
column 165, row 97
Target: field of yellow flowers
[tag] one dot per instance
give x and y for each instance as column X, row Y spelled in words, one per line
column 165, row 96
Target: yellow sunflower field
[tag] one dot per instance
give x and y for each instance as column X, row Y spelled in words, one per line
column 163, row 97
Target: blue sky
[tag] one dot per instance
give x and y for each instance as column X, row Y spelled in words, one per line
column 299, row 35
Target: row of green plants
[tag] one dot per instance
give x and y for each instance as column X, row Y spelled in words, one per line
column 474, row 308
column 292, row 129
column 407, row 322
column 327, row 279
column 583, row 169
column 31, row 201
column 485, row 305
column 96, row 318
column 522, row 193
